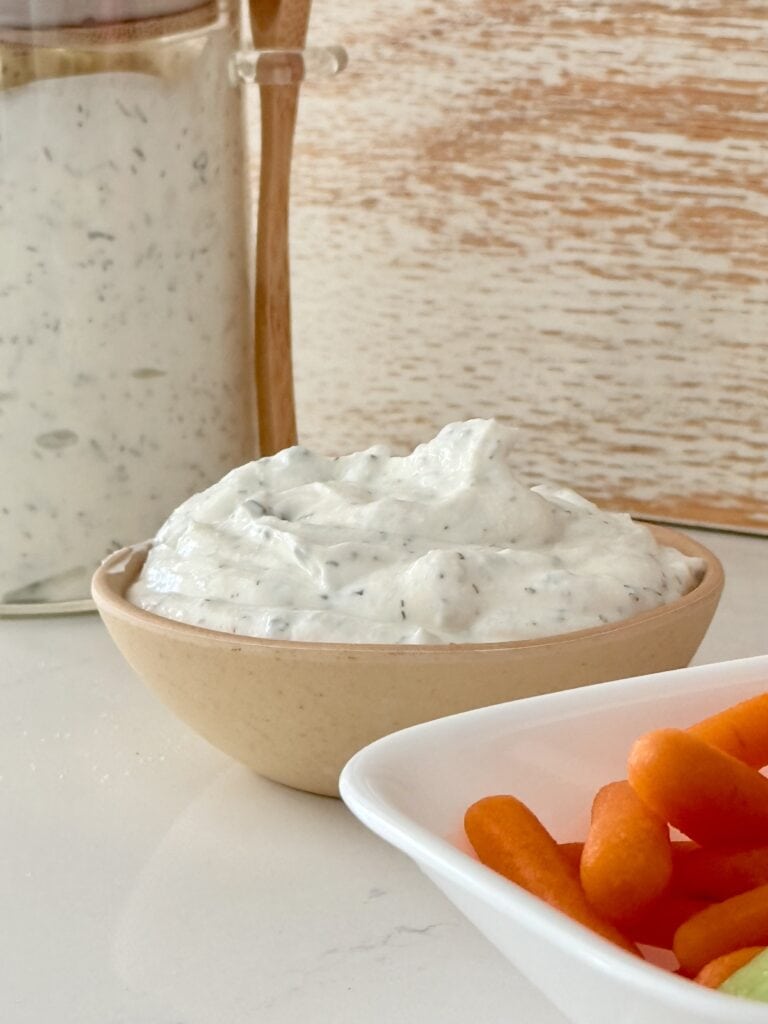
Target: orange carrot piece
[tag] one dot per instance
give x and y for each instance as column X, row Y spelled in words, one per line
column 710, row 796
column 716, row 875
column 627, row 858
column 741, row 731
column 509, row 838
column 722, row 967
column 572, row 853
column 657, row 925
column 722, row 928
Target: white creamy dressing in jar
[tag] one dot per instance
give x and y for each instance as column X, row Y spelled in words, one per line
column 443, row 545
column 125, row 358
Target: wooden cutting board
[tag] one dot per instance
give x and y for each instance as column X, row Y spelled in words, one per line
column 553, row 213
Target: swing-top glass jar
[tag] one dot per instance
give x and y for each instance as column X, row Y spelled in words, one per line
column 125, row 360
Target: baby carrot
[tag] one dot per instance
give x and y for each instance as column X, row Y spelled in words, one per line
column 722, row 967
column 722, row 928
column 741, row 731
column 627, row 858
column 572, row 853
column 716, row 875
column 509, row 838
column 657, row 924
column 710, row 796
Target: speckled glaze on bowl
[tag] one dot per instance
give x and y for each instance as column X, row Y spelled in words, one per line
column 296, row 712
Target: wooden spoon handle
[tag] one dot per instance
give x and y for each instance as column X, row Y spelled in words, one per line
column 274, row 368
column 278, row 24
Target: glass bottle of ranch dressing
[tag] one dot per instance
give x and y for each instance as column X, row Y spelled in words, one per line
column 125, row 356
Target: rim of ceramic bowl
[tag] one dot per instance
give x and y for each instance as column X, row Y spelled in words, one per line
column 116, row 573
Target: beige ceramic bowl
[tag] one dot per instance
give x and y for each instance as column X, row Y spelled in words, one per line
column 296, row 712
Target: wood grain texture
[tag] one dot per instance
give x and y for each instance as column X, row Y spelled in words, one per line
column 280, row 24
column 554, row 213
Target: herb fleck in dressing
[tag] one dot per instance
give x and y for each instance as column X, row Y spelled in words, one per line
column 444, row 545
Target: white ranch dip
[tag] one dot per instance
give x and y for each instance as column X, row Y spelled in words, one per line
column 441, row 546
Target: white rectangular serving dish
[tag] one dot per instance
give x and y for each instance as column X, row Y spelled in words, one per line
column 553, row 752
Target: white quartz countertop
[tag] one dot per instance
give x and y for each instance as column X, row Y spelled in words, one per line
column 147, row 879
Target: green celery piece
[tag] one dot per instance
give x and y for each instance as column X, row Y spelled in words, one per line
column 751, row 980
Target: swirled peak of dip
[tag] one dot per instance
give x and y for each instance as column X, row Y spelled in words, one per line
column 441, row 546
